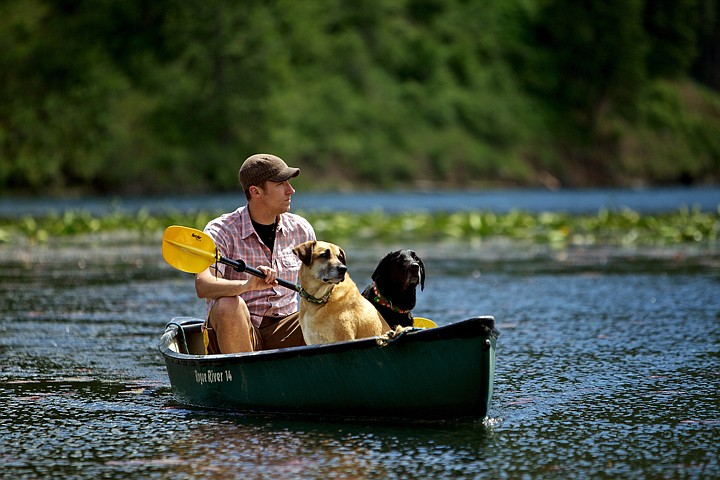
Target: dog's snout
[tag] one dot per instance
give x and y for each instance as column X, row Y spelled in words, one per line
column 334, row 273
column 414, row 274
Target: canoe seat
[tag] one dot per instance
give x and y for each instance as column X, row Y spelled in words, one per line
column 189, row 338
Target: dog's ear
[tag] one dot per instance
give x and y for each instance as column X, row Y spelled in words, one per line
column 304, row 252
column 376, row 273
column 379, row 266
column 422, row 272
column 341, row 256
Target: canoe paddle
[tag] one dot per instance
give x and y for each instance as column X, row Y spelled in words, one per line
column 192, row 251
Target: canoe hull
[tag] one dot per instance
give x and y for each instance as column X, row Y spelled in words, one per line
column 445, row 372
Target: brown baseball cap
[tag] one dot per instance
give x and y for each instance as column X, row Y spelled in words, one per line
column 262, row 167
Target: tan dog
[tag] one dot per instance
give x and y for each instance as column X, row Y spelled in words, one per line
column 331, row 307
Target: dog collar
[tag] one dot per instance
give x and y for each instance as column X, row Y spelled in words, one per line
column 312, row 299
column 378, row 298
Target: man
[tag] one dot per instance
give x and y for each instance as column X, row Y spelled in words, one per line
column 246, row 313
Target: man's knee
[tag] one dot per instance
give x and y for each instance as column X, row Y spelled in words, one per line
column 228, row 307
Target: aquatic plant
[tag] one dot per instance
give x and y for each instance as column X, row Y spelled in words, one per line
column 606, row 227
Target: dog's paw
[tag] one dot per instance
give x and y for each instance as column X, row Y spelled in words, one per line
column 392, row 335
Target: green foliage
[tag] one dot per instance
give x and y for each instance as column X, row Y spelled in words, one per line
column 607, row 227
column 591, row 55
column 672, row 27
column 146, row 97
column 656, row 150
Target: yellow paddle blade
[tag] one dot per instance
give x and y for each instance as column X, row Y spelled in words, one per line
column 420, row 322
column 188, row 249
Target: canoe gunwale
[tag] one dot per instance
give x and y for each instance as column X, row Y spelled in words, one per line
column 470, row 328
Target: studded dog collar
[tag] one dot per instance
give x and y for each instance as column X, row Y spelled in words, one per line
column 379, row 299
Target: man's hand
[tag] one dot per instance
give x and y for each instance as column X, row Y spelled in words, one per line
column 256, row 283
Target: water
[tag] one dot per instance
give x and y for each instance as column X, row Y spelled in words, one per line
column 572, row 201
column 608, row 366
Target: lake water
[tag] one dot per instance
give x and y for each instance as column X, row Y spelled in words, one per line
column 608, row 366
column 500, row 201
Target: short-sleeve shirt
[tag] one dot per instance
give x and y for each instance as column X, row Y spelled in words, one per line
column 236, row 238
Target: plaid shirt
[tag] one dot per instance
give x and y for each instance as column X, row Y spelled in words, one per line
column 236, row 238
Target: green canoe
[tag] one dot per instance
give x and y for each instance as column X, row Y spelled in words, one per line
column 437, row 373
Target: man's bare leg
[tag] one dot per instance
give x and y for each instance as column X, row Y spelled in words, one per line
column 230, row 319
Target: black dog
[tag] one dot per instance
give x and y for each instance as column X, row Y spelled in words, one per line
column 393, row 293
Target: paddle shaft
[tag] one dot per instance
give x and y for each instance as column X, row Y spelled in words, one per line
column 192, row 251
column 240, row 266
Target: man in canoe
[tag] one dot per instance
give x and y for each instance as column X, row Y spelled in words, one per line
column 246, row 313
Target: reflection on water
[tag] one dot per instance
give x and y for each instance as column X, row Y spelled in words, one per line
column 607, row 366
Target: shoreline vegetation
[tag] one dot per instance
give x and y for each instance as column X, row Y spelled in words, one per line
column 624, row 227
column 137, row 98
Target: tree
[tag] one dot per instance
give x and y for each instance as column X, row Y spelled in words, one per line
column 707, row 65
column 56, row 90
column 671, row 27
column 587, row 56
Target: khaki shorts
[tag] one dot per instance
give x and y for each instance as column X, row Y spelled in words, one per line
column 273, row 333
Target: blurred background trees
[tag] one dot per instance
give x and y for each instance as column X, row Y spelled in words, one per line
column 165, row 96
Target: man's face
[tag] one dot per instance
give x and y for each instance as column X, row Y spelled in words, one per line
column 276, row 196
